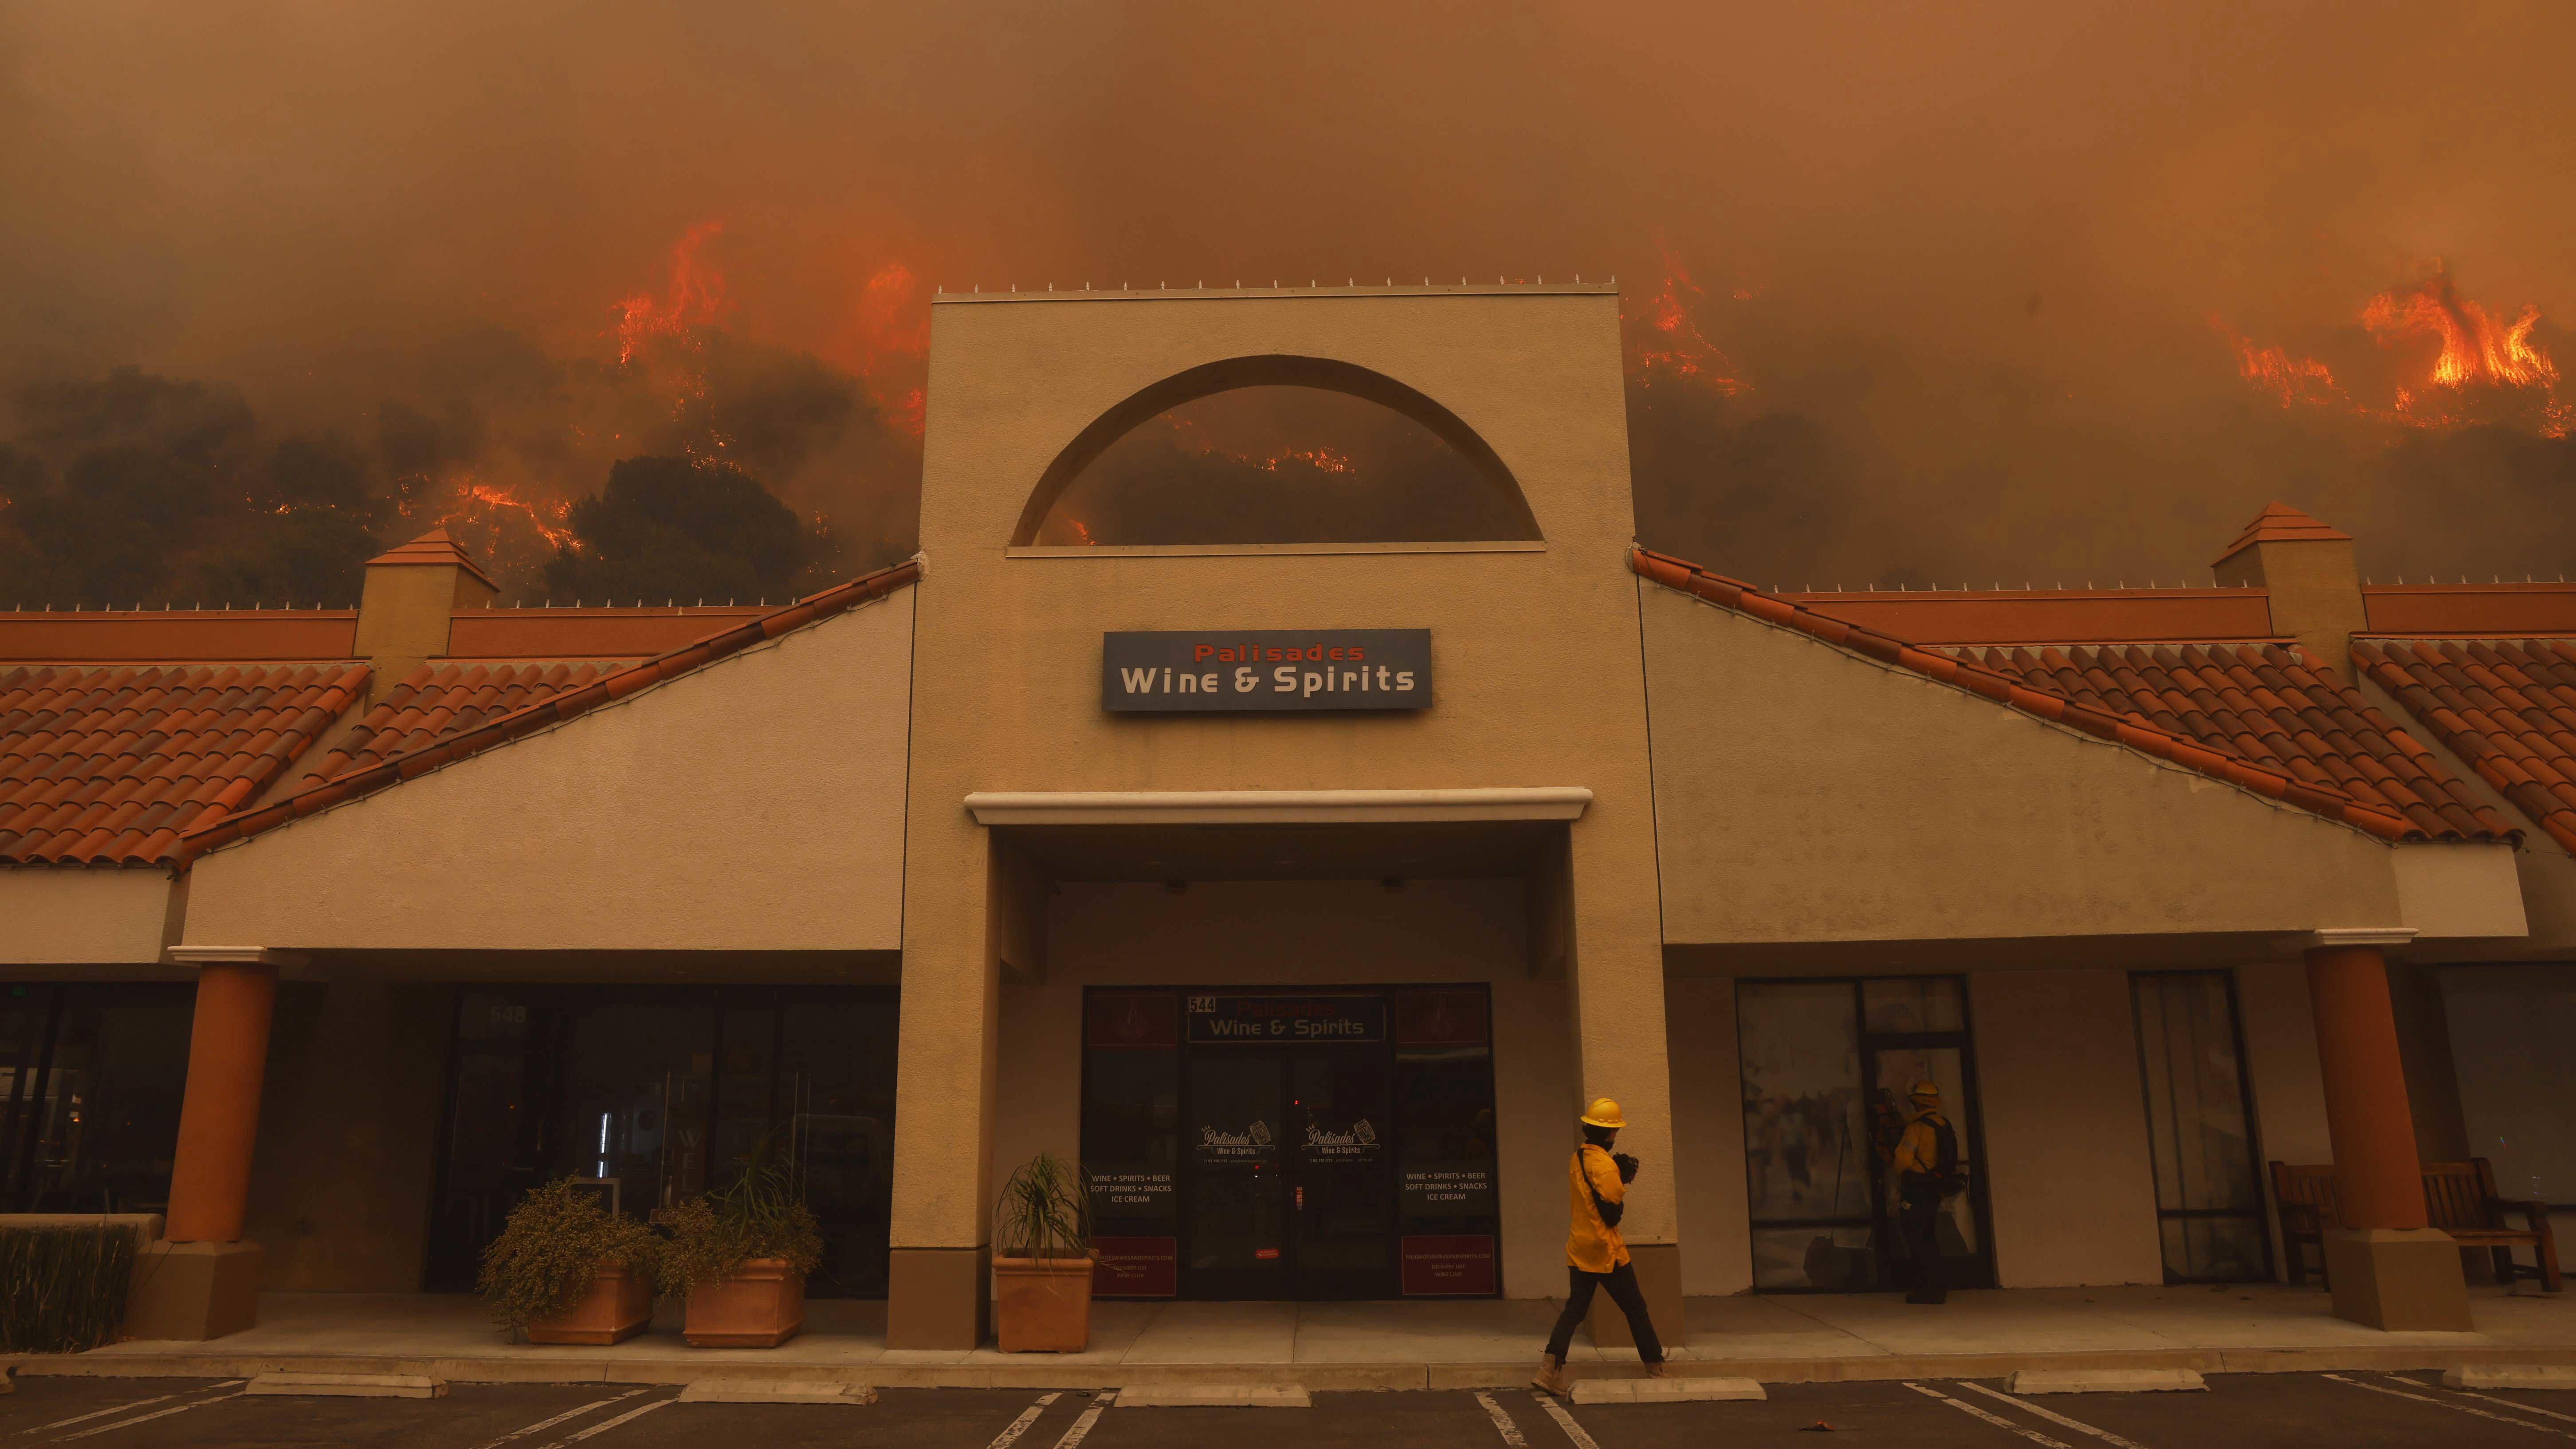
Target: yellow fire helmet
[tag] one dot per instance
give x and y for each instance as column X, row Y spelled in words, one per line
column 1604, row 1113
column 1927, row 1093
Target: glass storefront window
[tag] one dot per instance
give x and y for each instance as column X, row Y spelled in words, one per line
column 2209, row 1196
column 92, row 1076
column 657, row 1095
column 1827, row 1068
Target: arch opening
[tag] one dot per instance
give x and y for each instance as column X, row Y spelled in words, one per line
column 1276, row 450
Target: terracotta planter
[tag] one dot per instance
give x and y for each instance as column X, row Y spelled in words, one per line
column 1042, row 1305
column 758, row 1305
column 617, row 1306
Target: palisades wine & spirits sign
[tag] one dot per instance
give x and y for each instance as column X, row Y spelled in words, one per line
column 1194, row 671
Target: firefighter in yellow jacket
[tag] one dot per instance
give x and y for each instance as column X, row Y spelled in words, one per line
column 1597, row 1183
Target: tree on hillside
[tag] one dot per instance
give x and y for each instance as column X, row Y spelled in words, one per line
column 137, row 489
column 688, row 529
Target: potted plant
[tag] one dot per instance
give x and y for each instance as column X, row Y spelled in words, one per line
column 1042, row 1258
column 566, row 1270
column 741, row 1254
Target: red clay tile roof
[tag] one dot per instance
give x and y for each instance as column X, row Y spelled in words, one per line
column 2267, row 705
column 2280, row 523
column 2272, row 780
column 108, row 764
column 411, row 761
column 2506, row 706
column 446, row 698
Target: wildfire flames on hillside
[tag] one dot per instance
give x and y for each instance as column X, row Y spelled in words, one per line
column 1665, row 343
column 2440, row 359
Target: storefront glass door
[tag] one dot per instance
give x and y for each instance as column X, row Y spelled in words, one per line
column 1827, row 1069
column 1275, row 1145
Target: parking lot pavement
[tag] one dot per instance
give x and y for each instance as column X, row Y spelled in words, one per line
column 2245, row 1411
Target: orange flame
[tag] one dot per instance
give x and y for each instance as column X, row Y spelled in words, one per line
column 2480, row 368
column 491, row 497
column 695, row 295
column 2476, row 348
column 1671, row 344
column 2292, row 380
column 890, row 336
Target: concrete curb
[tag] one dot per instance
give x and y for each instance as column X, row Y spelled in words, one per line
column 2108, row 1381
column 684, row 1366
column 762, row 1391
column 1664, row 1391
column 1216, row 1396
column 2510, row 1376
column 349, row 1386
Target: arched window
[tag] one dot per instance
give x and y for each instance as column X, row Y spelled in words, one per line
column 1276, row 450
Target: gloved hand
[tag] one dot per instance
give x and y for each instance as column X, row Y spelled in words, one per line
column 1627, row 1166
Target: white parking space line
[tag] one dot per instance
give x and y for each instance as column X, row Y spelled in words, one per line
column 2454, row 1408
column 1090, row 1416
column 1998, row 1420
column 1020, row 1425
column 604, row 1425
column 144, row 1418
column 542, row 1425
column 121, row 1408
column 1503, row 1424
column 2078, row 1425
column 1564, row 1420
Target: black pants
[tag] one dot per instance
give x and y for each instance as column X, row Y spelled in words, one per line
column 1622, row 1283
column 1918, row 1209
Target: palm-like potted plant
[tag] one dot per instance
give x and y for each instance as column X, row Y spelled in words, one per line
column 1042, row 1258
column 566, row 1270
column 741, row 1254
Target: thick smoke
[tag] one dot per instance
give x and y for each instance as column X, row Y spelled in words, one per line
column 1981, row 270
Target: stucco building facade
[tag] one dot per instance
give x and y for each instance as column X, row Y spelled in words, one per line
column 329, row 933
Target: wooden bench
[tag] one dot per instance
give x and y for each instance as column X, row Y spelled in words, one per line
column 2459, row 1198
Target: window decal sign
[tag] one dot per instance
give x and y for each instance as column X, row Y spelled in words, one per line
column 1286, row 1020
column 1274, row 670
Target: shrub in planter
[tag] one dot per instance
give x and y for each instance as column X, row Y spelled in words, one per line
column 741, row 1254
column 565, row 1270
column 62, row 1289
column 1042, row 1258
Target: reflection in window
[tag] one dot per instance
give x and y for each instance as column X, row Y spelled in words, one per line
column 1280, row 465
column 91, row 1076
column 2209, row 1202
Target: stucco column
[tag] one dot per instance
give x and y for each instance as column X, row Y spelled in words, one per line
column 2387, row 1268
column 219, row 1115
column 202, row 1280
column 1615, row 978
column 939, row 1265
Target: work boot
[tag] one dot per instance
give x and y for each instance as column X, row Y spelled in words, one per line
column 1660, row 1369
column 1550, row 1377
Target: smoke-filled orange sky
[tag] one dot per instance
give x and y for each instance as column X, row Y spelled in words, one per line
column 1983, row 267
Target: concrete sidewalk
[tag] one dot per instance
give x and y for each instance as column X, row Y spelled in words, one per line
column 1398, row 1345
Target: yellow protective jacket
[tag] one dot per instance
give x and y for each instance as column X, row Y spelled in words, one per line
column 1919, row 1151
column 1593, row 1245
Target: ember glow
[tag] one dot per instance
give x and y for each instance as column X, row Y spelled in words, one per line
column 510, row 532
column 2456, row 364
column 1191, row 436
column 1665, row 339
